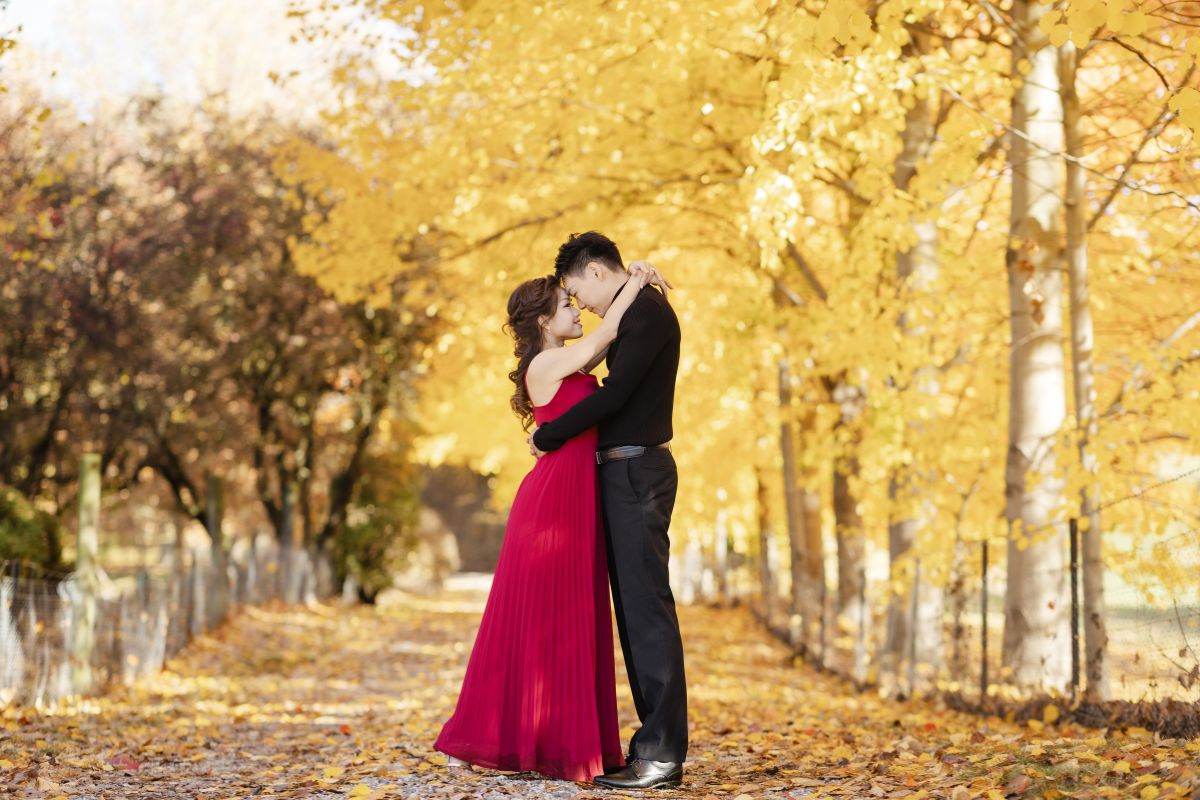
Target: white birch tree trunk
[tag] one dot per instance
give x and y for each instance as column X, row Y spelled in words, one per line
column 1036, row 647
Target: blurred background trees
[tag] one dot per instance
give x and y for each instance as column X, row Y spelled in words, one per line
column 152, row 313
column 935, row 268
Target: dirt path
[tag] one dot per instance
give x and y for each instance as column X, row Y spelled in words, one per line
column 329, row 702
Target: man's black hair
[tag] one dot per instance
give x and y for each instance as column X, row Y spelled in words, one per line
column 583, row 248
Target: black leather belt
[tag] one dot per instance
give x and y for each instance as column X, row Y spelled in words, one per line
column 626, row 451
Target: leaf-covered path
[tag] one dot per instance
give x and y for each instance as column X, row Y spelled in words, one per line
column 333, row 702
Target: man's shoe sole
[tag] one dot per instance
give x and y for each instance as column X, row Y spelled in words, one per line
column 670, row 783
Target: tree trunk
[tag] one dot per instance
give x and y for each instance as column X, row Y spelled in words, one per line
column 1082, row 339
column 87, row 547
column 305, row 476
column 721, row 557
column 214, row 515
column 852, row 613
column 809, row 606
column 801, row 606
column 851, row 543
column 816, row 589
column 344, row 483
column 916, row 269
column 958, row 606
column 902, row 536
column 1036, row 647
column 766, row 570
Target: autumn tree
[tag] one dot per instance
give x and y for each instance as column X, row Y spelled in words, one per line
column 156, row 317
column 507, row 155
column 843, row 191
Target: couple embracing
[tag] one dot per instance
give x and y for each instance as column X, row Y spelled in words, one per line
column 540, row 689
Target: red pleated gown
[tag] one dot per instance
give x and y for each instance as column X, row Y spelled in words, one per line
column 540, row 692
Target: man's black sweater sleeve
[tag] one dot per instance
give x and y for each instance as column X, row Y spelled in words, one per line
column 642, row 333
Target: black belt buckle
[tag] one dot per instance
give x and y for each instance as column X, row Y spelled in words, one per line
column 625, row 451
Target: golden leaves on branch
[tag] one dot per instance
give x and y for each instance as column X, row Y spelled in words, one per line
column 1084, row 21
column 845, row 22
column 1186, row 103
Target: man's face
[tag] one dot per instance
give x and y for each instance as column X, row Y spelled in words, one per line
column 588, row 290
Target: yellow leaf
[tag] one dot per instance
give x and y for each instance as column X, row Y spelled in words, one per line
column 361, row 790
column 828, row 25
column 1136, row 24
column 1049, row 20
column 333, row 772
column 1084, row 17
column 1148, row 792
column 1116, row 17
column 1191, row 118
column 1050, row 714
column 1185, row 98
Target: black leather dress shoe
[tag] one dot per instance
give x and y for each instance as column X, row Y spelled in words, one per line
column 611, row 770
column 642, row 773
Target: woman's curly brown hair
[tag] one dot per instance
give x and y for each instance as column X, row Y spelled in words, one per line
column 532, row 299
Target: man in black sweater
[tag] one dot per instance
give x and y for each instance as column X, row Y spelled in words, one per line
column 638, row 483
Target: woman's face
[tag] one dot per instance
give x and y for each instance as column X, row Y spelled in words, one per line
column 565, row 322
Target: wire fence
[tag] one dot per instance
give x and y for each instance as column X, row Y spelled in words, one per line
column 1151, row 608
column 76, row 634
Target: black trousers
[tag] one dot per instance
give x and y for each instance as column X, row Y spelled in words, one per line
column 638, row 496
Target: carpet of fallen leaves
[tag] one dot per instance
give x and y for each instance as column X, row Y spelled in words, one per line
column 328, row 701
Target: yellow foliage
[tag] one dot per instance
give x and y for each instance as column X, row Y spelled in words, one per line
column 750, row 150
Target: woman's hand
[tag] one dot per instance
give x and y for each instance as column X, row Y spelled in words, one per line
column 653, row 276
column 533, row 450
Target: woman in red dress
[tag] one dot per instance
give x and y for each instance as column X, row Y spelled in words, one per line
column 540, row 691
